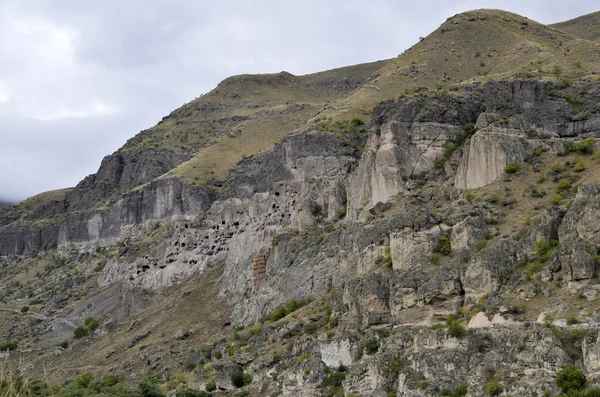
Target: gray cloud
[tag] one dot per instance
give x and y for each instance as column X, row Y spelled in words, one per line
column 77, row 79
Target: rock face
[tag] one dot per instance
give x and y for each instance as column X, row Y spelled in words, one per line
column 346, row 216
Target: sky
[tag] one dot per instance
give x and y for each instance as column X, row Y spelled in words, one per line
column 79, row 78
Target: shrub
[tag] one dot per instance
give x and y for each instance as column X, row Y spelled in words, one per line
column 455, row 329
column 570, row 378
column 459, row 391
column 512, row 168
column 356, row 121
column 12, row 346
column 247, row 379
column 278, row 313
column 538, row 192
column 537, row 151
column 291, row 306
column 189, row 366
column 443, row 246
column 148, row 389
column 80, row 332
column 91, row 324
column 371, row 345
column 493, row 388
column 24, row 309
column 334, row 379
column 557, row 168
column 423, row 384
column 480, row 244
column 396, row 366
column 64, row 344
column 592, row 392
column 580, row 166
column 563, row 185
column 556, row 199
column 557, row 70
column 237, row 379
column 585, row 146
column 544, row 249
column 211, row 386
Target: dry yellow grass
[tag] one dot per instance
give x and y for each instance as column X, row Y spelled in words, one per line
column 476, row 45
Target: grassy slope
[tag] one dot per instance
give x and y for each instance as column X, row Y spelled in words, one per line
column 286, row 103
column 476, row 45
column 586, row 26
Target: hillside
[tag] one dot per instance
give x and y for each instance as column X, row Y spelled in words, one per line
column 477, row 46
column 586, row 27
column 423, row 226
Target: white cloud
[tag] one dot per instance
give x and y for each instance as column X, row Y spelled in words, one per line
column 41, row 69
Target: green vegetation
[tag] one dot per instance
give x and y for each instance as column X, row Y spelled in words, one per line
column 512, row 168
column 570, row 379
column 493, row 388
column 458, row 391
column 451, row 146
column 584, row 146
column 455, row 328
column 371, row 346
column 543, row 250
column 580, row 166
column 24, row 309
column 8, row 346
column 90, row 324
column 443, row 246
column 282, row 311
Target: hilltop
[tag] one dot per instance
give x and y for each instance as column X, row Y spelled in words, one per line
column 585, row 27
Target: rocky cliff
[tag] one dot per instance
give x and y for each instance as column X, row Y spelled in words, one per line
column 446, row 246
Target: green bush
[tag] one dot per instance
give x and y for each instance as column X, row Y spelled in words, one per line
column 64, row 344
column 356, row 121
column 278, row 313
column 237, row 379
column 211, row 386
column 189, row 366
column 557, row 198
column 493, row 388
column 592, row 392
column 24, row 309
column 459, row 391
column 557, row 168
column 570, row 378
column 480, row 244
column 443, row 246
column 585, row 146
column 334, row 379
column 396, row 366
column 148, row 389
column 423, row 384
column 580, row 166
column 12, row 346
column 455, row 329
column 80, row 332
column 563, row 185
column 512, row 168
column 91, row 324
column 247, row 379
column 371, row 345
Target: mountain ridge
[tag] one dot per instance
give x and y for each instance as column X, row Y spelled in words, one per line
column 445, row 244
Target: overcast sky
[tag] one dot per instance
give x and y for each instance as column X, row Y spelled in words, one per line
column 78, row 78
